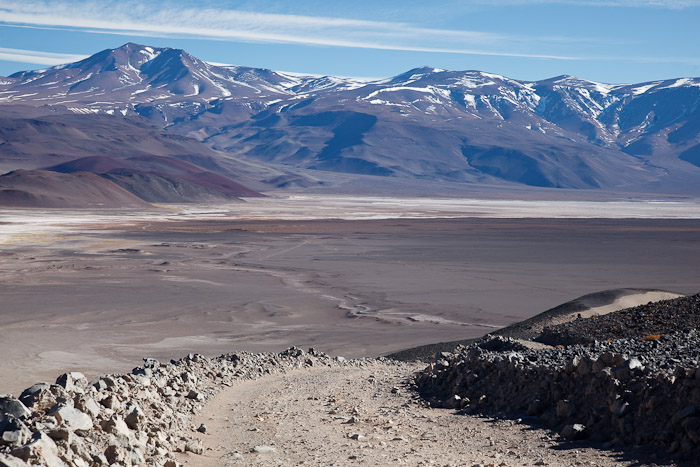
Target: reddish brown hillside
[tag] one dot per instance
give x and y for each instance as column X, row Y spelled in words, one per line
column 44, row 189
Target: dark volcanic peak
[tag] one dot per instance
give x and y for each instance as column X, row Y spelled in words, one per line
column 426, row 123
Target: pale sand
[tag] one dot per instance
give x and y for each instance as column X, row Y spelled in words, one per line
column 628, row 301
column 98, row 296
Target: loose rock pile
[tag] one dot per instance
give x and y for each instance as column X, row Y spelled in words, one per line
column 626, row 391
column 133, row 419
column 644, row 321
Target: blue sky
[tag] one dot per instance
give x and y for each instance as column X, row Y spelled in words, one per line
column 613, row 41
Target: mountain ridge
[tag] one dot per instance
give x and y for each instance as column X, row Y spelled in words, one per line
column 424, row 124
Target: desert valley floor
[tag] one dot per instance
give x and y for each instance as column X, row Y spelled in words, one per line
column 96, row 291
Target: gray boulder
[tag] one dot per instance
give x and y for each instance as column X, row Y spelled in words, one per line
column 73, row 381
column 11, row 406
column 13, row 432
column 40, row 450
column 72, row 418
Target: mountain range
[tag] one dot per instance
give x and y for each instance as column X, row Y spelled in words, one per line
column 167, row 127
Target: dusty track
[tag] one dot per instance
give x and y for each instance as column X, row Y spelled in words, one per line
column 310, row 417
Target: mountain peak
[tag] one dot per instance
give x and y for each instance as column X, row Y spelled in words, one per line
column 415, row 74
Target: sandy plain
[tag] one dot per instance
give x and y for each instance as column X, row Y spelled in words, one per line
column 97, row 291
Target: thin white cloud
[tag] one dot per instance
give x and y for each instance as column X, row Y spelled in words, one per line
column 37, row 56
column 664, row 4
column 134, row 18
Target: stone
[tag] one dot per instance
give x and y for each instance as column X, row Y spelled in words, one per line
column 691, row 425
column 150, row 363
column 263, row 449
column 40, row 450
column 194, row 446
column 612, row 359
column 28, row 395
column 195, row 395
column 202, row 428
column 13, row 432
column 89, row 406
column 116, row 426
column 72, row 418
column 573, row 431
column 115, row 454
column 72, row 381
column 565, row 409
column 60, row 433
column 135, row 418
column 683, row 413
column 98, row 383
column 11, row 406
column 619, row 407
column 11, row 461
column 111, row 402
column 634, row 363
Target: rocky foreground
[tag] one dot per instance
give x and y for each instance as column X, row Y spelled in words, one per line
column 637, row 385
column 140, row 418
column 643, row 389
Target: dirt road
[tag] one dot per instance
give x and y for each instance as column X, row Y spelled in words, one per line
column 364, row 416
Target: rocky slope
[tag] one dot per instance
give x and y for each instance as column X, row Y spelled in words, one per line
column 650, row 321
column 134, row 419
column 424, row 124
column 632, row 387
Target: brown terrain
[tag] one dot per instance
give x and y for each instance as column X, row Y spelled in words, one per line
column 97, row 296
column 41, row 188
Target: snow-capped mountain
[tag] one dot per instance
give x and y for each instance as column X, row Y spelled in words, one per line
column 119, row 80
column 426, row 123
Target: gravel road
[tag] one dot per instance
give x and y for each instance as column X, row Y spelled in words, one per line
column 364, row 416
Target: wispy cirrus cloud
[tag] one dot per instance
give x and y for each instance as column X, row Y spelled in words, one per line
column 167, row 18
column 135, row 18
column 664, row 4
column 37, row 56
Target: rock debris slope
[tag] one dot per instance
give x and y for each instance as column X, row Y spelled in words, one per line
column 139, row 418
column 638, row 385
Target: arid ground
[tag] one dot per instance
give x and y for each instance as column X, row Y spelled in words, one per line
column 97, row 291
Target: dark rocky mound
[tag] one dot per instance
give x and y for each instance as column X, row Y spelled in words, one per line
column 529, row 329
column 648, row 322
column 634, row 382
